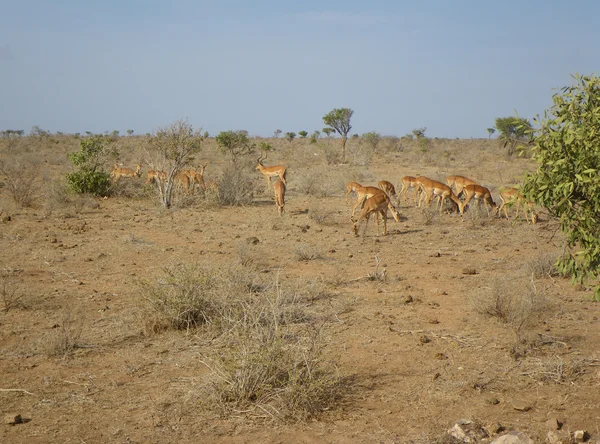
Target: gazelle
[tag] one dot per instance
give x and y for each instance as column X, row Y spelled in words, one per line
column 196, row 175
column 182, row 180
column 119, row 172
column 352, row 187
column 431, row 188
column 154, row 175
column 268, row 172
column 388, row 187
column 379, row 204
column 364, row 193
column 459, row 183
column 279, row 188
column 409, row 182
column 510, row 196
column 482, row 194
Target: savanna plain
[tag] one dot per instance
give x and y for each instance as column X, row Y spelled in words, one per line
column 122, row 321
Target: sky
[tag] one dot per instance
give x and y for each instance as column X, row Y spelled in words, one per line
column 451, row 66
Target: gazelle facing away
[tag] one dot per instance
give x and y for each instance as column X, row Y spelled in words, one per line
column 510, row 196
column 279, row 188
column 409, row 182
column 119, row 172
column 268, row 172
column 482, row 194
column 388, row 187
column 379, row 204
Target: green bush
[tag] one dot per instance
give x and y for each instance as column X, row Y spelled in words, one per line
column 90, row 176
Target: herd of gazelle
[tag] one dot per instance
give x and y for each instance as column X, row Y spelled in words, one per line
column 185, row 179
column 371, row 200
column 376, row 200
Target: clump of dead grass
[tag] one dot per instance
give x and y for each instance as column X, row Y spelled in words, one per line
column 22, row 180
column 10, row 294
column 307, row 252
column 67, row 334
column 516, row 302
column 543, row 265
column 267, row 354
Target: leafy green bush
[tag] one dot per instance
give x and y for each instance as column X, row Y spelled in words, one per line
column 90, row 176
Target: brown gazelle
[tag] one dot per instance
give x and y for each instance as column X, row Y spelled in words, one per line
column 362, row 194
column 119, row 172
column 388, row 187
column 154, row 175
column 430, row 188
column 279, row 188
column 196, row 175
column 379, row 204
column 268, row 172
column 510, row 196
column 459, row 183
column 352, row 187
column 482, row 194
column 409, row 182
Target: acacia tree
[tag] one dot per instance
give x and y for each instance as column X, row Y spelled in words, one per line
column 339, row 120
column 303, row 134
column 567, row 149
column 169, row 150
column 235, row 143
column 491, row 131
column 514, row 132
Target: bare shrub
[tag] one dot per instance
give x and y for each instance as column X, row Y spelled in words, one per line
column 67, row 334
column 9, row 288
column 514, row 301
column 319, row 214
column 326, row 182
column 360, row 154
column 429, row 215
column 543, row 265
column 307, row 252
column 58, row 197
column 131, row 188
column 236, row 186
column 22, row 180
column 267, row 353
column 554, row 369
column 189, row 295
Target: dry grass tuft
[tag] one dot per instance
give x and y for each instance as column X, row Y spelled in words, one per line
column 307, row 252
column 67, row 334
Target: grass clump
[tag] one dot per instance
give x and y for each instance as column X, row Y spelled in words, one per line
column 267, row 354
column 307, row 252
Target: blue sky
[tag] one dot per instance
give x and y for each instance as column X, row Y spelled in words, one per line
column 450, row 66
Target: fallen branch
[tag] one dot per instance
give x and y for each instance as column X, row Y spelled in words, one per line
column 16, row 390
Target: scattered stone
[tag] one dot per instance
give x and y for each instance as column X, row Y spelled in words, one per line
column 441, row 356
column 493, row 401
column 5, row 218
column 580, row 436
column 424, row 339
column 468, row 431
column 13, row 419
column 494, row 428
column 558, row 437
column 408, row 299
column 513, row 437
column 253, row 240
column 469, row 271
column 438, row 254
column 553, row 424
column 521, row 406
column 436, row 376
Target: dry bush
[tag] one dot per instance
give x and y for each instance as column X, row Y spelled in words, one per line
column 188, row 296
column 307, row 252
column 319, row 213
column 359, row 154
column 267, row 349
column 554, row 369
column 543, row 265
column 516, row 302
column 131, row 187
column 429, row 215
column 59, row 197
column 237, row 186
column 67, row 335
column 323, row 181
column 22, row 180
column 10, row 288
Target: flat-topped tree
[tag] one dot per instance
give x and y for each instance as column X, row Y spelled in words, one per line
column 339, row 120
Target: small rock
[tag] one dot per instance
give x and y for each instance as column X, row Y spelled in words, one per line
column 553, row 424
column 580, row 436
column 436, row 376
column 494, row 428
column 13, row 419
column 468, row 431
column 513, row 437
column 441, row 356
column 493, row 401
column 408, row 299
column 424, row 339
column 558, row 437
column 521, row 406
column 252, row 240
column 469, row 271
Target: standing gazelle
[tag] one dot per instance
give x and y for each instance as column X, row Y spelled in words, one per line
column 279, row 188
column 268, row 172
